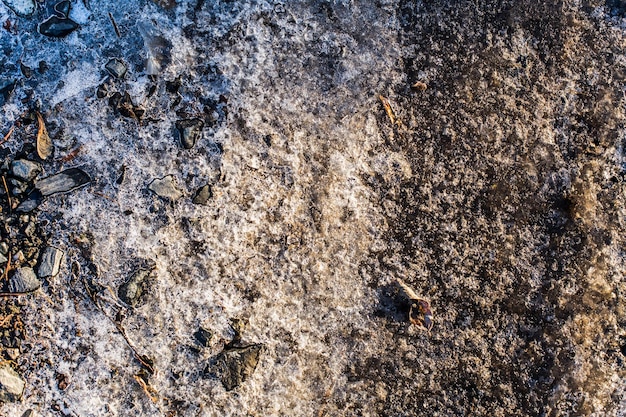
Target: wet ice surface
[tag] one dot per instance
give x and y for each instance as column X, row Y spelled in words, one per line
column 498, row 195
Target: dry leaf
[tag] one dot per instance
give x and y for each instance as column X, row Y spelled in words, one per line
column 44, row 144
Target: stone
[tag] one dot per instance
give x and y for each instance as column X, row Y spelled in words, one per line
column 166, row 188
column 11, row 384
column 64, row 181
column 62, row 8
column 50, row 262
column 131, row 291
column 24, row 280
column 203, row 195
column 22, row 8
column 57, row 27
column 116, row 68
column 6, row 89
column 25, row 169
column 189, row 131
column 234, row 366
column 203, row 336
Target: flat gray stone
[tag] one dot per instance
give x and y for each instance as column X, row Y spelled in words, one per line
column 11, row 384
column 50, row 262
column 203, row 195
column 24, row 280
column 165, row 187
column 116, row 68
column 25, row 169
column 62, row 182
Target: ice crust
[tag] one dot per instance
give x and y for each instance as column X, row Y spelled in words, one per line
column 305, row 230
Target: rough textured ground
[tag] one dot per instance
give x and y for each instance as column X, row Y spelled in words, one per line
column 494, row 187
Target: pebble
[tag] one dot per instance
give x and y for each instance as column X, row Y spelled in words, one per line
column 116, row 67
column 62, row 182
column 6, row 88
column 11, row 384
column 62, row 8
column 203, row 336
column 22, row 8
column 25, row 169
column 203, row 195
column 166, row 188
column 189, row 131
column 50, row 262
column 234, row 366
column 131, row 291
column 57, row 27
column 24, row 280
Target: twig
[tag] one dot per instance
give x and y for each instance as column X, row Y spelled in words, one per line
column 5, row 274
column 4, row 181
column 117, row 31
column 8, row 135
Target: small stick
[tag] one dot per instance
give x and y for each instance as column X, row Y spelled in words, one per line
column 117, row 31
column 5, row 275
column 388, row 109
column 8, row 135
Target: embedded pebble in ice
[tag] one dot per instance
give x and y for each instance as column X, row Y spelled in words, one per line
column 57, row 27
column 166, row 188
column 203, row 337
column 234, row 365
column 11, row 384
column 22, row 8
column 25, row 169
column 62, row 8
column 6, row 88
column 116, row 67
column 64, row 181
column 131, row 291
column 50, row 262
column 203, row 195
column 24, row 280
column 189, row 131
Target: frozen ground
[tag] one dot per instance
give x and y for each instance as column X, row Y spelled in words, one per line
column 494, row 186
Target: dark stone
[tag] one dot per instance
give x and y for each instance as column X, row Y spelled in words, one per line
column 234, row 366
column 189, row 131
column 6, row 89
column 62, row 8
column 42, row 67
column 25, row 169
column 203, row 336
column 131, row 291
column 26, row 71
column 64, row 181
column 116, row 67
column 57, row 27
column 24, row 280
column 102, row 91
column 33, row 200
column 203, row 195
column 123, row 104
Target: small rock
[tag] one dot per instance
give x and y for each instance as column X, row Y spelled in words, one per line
column 62, row 8
column 24, row 280
column 64, row 181
column 102, row 91
column 3, row 258
column 57, row 27
column 166, row 188
column 11, row 384
column 50, row 262
column 203, row 195
column 33, row 200
column 25, row 169
column 189, row 131
column 6, row 89
column 233, row 366
column 203, row 336
column 130, row 292
column 22, row 8
column 116, row 67
column 26, row 70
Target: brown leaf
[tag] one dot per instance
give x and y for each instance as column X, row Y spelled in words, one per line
column 44, row 144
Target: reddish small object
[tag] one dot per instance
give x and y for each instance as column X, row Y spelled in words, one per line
column 7, row 25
